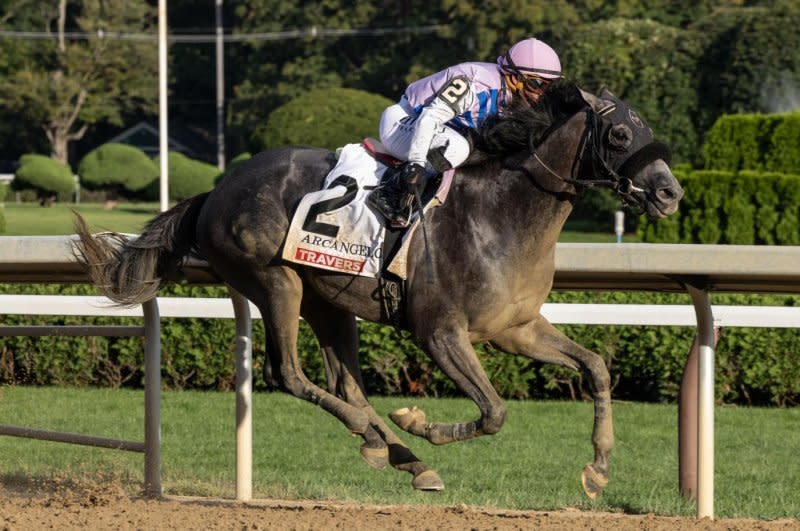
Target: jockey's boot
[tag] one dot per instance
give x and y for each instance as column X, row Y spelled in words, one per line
column 392, row 201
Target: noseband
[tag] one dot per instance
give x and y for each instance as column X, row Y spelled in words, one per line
column 619, row 179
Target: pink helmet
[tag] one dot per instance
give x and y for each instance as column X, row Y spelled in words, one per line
column 531, row 56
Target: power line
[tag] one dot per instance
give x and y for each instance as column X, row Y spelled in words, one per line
column 312, row 32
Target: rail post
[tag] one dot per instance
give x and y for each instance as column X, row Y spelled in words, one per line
column 244, row 396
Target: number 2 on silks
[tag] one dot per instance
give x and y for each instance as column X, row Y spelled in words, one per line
column 454, row 90
column 327, row 229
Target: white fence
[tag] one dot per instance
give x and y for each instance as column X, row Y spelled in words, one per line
column 621, row 267
column 725, row 316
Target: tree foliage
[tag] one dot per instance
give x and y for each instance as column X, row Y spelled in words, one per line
column 681, row 63
column 646, row 63
column 63, row 86
column 750, row 60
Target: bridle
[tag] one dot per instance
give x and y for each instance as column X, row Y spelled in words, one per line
column 618, row 179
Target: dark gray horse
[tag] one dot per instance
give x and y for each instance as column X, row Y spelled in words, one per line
column 492, row 246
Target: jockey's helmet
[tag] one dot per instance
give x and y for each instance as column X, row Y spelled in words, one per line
column 531, row 57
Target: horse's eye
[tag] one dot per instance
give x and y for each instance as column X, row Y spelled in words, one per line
column 620, row 137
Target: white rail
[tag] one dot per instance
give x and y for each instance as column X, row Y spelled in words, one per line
column 725, row 316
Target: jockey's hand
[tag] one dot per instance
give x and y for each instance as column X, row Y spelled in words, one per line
column 411, row 175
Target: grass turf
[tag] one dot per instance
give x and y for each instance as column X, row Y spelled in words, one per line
column 300, row 452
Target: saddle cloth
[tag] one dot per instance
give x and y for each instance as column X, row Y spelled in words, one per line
column 333, row 228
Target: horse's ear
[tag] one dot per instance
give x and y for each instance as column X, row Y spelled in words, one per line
column 593, row 101
column 589, row 98
column 599, row 105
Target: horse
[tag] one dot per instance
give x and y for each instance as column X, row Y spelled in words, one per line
column 480, row 274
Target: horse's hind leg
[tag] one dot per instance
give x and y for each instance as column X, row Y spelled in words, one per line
column 541, row 341
column 337, row 334
column 278, row 295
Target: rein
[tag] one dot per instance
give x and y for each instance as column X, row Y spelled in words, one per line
column 623, row 186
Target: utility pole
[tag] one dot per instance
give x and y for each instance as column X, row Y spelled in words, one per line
column 220, row 89
column 163, row 129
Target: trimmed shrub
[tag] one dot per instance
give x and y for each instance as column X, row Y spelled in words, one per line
column 326, row 118
column 187, row 177
column 784, row 153
column 119, row 168
column 736, row 208
column 762, row 142
column 46, row 176
column 2, row 219
column 235, row 161
column 4, row 190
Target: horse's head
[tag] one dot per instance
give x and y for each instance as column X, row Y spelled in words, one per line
column 577, row 140
column 625, row 155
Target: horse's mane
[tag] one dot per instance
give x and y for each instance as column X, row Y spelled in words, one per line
column 523, row 126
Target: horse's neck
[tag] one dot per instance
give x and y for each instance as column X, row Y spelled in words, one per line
column 526, row 216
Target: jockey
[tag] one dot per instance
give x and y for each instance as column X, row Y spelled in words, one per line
column 435, row 114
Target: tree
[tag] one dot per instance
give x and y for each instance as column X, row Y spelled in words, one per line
column 751, row 61
column 65, row 86
column 275, row 71
column 648, row 64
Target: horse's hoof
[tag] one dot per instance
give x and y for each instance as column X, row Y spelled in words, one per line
column 593, row 483
column 410, row 420
column 375, row 457
column 427, row 480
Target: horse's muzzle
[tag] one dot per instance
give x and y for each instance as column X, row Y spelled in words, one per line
column 664, row 198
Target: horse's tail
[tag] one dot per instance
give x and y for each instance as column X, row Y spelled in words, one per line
column 131, row 271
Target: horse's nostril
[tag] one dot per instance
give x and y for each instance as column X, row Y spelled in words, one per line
column 669, row 193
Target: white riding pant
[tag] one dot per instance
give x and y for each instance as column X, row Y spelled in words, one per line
column 397, row 127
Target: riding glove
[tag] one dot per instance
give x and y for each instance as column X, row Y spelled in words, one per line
column 411, row 175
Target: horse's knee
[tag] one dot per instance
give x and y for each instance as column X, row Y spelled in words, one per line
column 494, row 419
column 599, row 373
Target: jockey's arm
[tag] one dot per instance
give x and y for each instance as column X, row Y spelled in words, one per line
column 452, row 100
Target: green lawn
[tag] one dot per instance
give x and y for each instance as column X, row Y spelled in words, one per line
column 301, row 452
column 29, row 219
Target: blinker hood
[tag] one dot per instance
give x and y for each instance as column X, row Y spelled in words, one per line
column 643, row 149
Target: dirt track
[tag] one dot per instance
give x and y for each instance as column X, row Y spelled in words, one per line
column 92, row 508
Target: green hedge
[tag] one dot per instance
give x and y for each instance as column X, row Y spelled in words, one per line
column 754, row 366
column 118, row 167
column 735, row 208
column 187, row 177
column 762, row 142
column 326, row 118
column 45, row 175
column 235, row 161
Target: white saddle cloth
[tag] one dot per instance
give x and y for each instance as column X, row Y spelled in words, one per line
column 333, row 228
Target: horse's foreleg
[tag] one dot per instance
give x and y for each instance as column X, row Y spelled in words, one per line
column 337, row 334
column 453, row 353
column 541, row 341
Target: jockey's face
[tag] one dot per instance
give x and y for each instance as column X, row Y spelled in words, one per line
column 530, row 88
